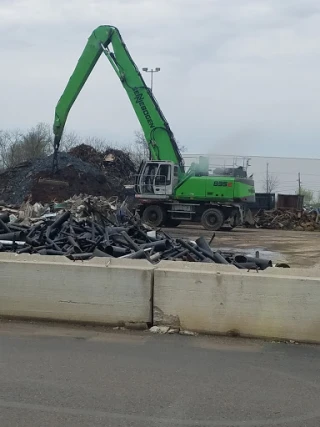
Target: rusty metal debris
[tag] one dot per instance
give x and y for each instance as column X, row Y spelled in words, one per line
column 89, row 227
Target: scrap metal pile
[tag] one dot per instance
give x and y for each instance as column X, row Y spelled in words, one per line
column 287, row 220
column 83, row 171
column 95, row 227
column 112, row 162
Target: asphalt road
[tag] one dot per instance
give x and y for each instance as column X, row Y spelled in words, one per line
column 61, row 376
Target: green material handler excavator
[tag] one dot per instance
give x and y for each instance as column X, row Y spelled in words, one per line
column 166, row 193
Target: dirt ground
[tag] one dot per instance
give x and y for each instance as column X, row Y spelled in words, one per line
column 298, row 248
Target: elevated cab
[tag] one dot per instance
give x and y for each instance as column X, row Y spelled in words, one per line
column 156, row 179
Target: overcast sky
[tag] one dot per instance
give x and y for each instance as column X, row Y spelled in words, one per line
column 237, row 76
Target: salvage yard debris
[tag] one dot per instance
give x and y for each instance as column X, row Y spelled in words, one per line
column 111, row 162
column 89, row 227
column 287, row 220
column 104, row 177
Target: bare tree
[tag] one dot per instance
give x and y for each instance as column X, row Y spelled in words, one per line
column 8, row 140
column 4, row 143
column 271, row 183
column 141, row 148
column 16, row 147
column 100, row 144
column 181, row 147
column 37, row 142
column 69, row 140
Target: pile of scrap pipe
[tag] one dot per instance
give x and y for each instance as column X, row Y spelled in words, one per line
column 85, row 238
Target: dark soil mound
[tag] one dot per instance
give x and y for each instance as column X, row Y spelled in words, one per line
column 77, row 176
column 113, row 163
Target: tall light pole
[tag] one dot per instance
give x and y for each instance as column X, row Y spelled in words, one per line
column 152, row 70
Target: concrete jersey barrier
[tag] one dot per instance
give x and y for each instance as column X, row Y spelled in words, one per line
column 220, row 299
column 101, row 290
column 194, row 296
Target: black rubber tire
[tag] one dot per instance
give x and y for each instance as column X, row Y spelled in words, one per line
column 172, row 223
column 212, row 219
column 236, row 219
column 154, row 215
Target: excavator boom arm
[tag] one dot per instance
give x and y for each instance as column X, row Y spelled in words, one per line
column 160, row 139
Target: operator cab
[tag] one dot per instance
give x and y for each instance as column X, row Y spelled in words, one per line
column 157, row 179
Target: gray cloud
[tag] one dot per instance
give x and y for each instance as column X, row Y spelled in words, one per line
column 235, row 74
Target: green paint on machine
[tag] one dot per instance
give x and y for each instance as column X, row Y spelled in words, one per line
column 164, row 176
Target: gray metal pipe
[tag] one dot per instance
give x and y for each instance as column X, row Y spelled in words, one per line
column 145, row 236
column 117, row 251
column 155, row 257
column 14, row 227
column 106, row 236
column 140, row 254
column 245, row 265
column 240, row 259
column 100, row 254
column 4, row 217
column 60, row 220
column 159, row 245
column 4, row 226
column 32, row 241
column 84, row 235
column 33, row 229
column 80, row 257
column 180, row 254
column 54, row 252
column 12, row 236
column 12, row 243
column 74, row 243
column 131, row 243
column 42, row 252
column 175, row 252
column 202, row 243
column 261, row 263
column 120, row 240
column 115, row 230
column 191, row 249
column 39, row 248
column 219, row 259
column 24, row 250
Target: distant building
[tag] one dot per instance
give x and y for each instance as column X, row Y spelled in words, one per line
column 284, row 169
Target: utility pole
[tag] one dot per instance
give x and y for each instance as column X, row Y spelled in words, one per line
column 152, row 70
column 267, row 178
column 299, row 182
